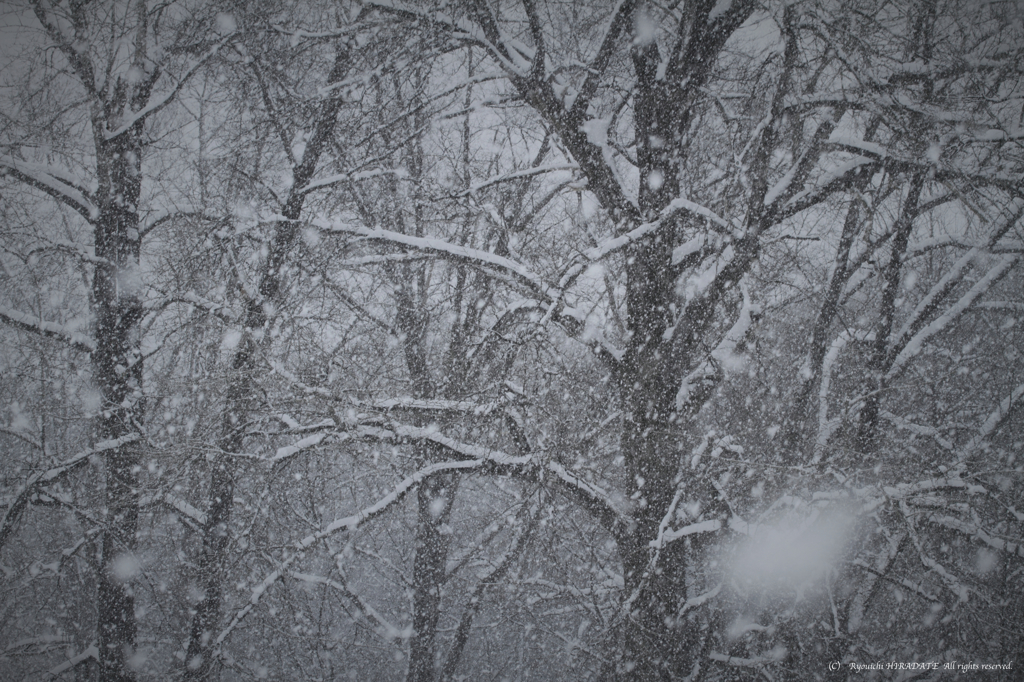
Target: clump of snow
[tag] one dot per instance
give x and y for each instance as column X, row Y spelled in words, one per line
column 646, row 29
column 311, row 237
column 125, row 567
column 596, row 130
column 793, row 553
column 230, row 340
column 437, row 507
column 720, row 8
column 225, row 23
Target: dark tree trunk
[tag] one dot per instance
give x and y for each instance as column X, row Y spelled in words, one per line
column 216, row 533
column 117, row 367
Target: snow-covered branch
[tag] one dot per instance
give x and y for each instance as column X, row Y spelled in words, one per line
column 914, row 345
column 345, row 524
column 53, row 330
column 30, row 487
column 48, row 180
column 159, row 103
column 378, row 622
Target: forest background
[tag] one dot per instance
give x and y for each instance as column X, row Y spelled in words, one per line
column 510, row 339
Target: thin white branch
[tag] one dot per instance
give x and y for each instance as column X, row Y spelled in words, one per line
column 159, row 103
column 45, row 178
column 525, row 173
column 89, row 652
column 21, row 498
column 384, row 628
column 994, row 419
column 53, row 330
column 915, row 344
column 348, row 523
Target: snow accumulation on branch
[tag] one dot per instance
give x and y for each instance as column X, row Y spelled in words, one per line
column 678, row 205
column 338, row 178
column 160, row 102
column 994, row 419
column 388, row 404
column 53, row 330
column 738, row 662
column 348, row 523
column 87, row 653
column 84, row 254
column 48, row 180
column 524, row 173
column 914, row 345
column 827, row 426
column 385, row 629
column 176, row 503
column 460, row 28
column 709, row 526
column 594, row 499
column 24, row 494
column 512, row 270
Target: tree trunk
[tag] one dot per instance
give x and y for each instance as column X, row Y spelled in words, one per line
column 117, row 366
column 216, row 534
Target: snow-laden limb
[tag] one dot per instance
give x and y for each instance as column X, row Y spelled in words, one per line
column 914, row 345
column 498, row 265
column 953, row 275
column 156, row 218
column 25, row 493
column 726, row 348
column 827, row 427
column 34, row 646
column 378, row 622
column 52, row 330
column 433, row 405
column 701, row 599
column 856, row 145
column 666, row 520
column 976, row 533
column 525, row 173
column 177, row 504
column 297, row 447
column 461, row 29
column 694, row 388
column 902, row 491
column 71, row 663
column 709, row 526
column 50, row 181
column 590, row 496
column 994, row 419
column 159, row 103
column 339, row 178
column 472, row 452
column 86, row 255
column 348, row 524
column 832, row 181
column 918, row 429
column 677, row 205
